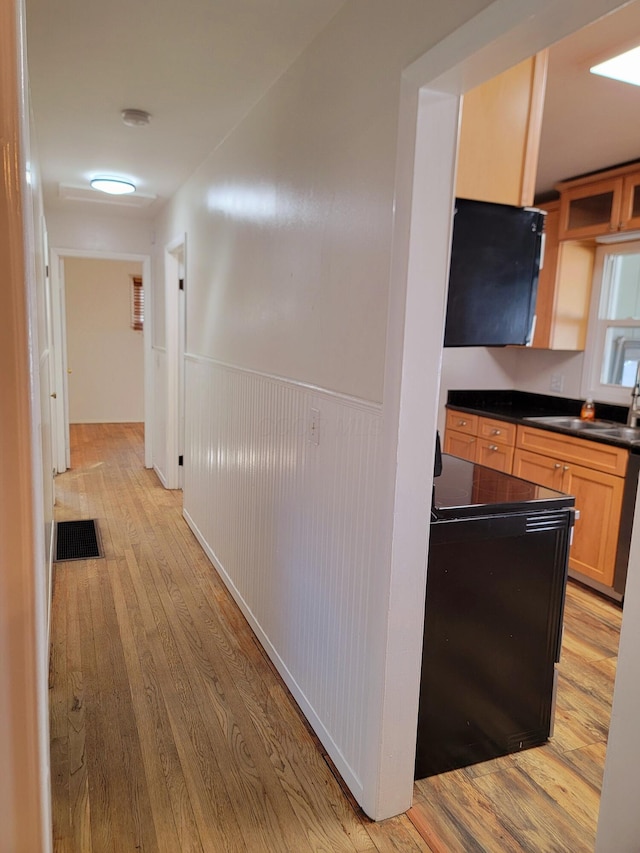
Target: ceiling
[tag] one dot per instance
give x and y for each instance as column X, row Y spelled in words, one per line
column 589, row 122
column 198, row 67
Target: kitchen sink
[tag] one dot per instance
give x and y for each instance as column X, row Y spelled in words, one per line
column 625, row 432
column 611, row 429
column 573, row 423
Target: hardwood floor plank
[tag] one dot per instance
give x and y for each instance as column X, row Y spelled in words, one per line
column 462, row 818
column 571, row 793
column 396, row 835
column 58, row 711
column 534, row 818
column 216, row 688
column 80, row 811
column 134, row 785
column 160, row 750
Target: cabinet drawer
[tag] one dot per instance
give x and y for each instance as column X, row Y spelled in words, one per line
column 499, row 432
column 494, row 455
column 592, row 454
column 461, row 422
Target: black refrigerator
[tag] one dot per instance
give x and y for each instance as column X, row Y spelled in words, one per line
column 493, row 275
column 496, row 582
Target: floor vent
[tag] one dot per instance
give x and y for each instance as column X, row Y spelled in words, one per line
column 77, row 540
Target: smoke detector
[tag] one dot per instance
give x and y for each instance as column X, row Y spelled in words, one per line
column 135, row 118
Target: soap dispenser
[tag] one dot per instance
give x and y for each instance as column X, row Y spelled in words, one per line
column 588, row 410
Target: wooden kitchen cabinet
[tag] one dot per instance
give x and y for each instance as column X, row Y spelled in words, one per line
column 487, row 441
column 500, row 135
column 460, row 444
column 564, row 288
column 496, row 440
column 594, row 474
column 461, row 435
column 600, row 204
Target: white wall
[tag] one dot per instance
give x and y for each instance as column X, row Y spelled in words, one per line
column 104, row 354
column 289, row 231
column 475, row 367
column 534, row 369
column 95, row 232
column 518, row 368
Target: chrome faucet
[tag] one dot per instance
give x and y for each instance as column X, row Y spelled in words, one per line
column 634, row 409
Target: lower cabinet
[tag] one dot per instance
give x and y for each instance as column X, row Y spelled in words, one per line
column 487, row 441
column 591, row 471
column 575, row 466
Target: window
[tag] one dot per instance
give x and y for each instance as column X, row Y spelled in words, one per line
column 137, row 303
column 613, row 347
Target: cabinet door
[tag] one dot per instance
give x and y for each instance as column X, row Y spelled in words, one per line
column 599, row 501
column 545, row 299
column 539, row 469
column 591, row 209
column 500, row 135
column 493, row 455
column 630, row 213
column 460, row 444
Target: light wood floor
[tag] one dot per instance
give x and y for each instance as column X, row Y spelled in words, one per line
column 170, row 730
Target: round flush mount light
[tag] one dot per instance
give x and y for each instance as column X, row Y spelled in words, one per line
column 135, row 118
column 113, row 186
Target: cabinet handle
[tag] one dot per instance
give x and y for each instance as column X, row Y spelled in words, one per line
column 557, row 465
column 565, row 467
column 493, row 447
column 462, row 423
column 496, row 432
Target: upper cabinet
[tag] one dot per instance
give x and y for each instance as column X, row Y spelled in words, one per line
column 564, row 288
column 500, row 135
column 600, row 204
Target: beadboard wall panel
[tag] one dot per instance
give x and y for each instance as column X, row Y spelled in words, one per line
column 292, row 527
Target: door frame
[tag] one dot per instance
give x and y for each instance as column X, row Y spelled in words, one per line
column 62, row 452
column 175, row 266
column 494, row 40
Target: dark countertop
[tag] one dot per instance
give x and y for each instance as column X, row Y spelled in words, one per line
column 467, row 490
column 517, row 406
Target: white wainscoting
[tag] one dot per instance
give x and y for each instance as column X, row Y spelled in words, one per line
column 159, row 439
column 292, row 527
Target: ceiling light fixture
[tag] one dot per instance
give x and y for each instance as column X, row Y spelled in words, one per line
column 113, row 186
column 135, row 118
column 625, row 67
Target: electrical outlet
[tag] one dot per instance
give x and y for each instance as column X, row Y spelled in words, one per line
column 557, row 382
column 314, row 426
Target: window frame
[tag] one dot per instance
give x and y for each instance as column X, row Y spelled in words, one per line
column 592, row 385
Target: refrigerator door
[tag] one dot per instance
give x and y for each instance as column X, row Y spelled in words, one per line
column 493, row 276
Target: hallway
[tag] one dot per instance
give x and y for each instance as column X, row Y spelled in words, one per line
column 170, row 730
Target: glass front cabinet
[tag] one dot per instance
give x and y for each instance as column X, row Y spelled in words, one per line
column 600, row 204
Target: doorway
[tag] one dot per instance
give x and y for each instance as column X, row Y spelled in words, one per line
column 427, row 143
column 102, row 363
column 176, row 336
